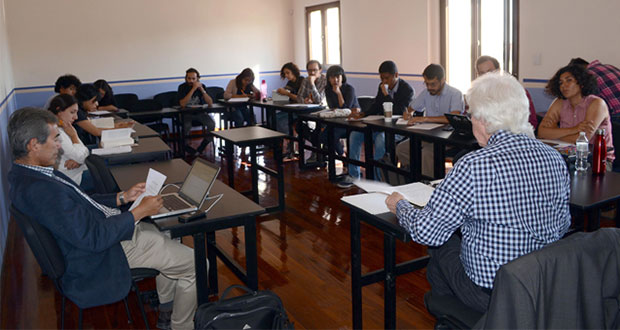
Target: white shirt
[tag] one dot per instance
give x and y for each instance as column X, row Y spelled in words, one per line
column 74, row 151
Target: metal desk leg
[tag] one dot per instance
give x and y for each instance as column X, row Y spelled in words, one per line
column 415, row 158
column 251, row 258
column 201, row 268
column 254, row 171
column 618, row 214
column 594, row 219
column 212, row 256
column 331, row 161
column 389, row 257
column 439, row 161
column 356, row 271
column 229, row 148
column 369, row 154
column 277, row 149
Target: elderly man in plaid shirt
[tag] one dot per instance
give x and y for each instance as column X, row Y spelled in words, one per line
column 508, row 198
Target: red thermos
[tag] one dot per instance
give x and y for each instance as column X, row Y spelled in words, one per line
column 599, row 153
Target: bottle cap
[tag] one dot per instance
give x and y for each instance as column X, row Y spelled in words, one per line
column 601, row 131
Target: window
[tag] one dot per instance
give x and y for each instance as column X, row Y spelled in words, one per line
column 323, row 33
column 471, row 28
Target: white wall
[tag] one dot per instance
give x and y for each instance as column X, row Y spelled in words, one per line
column 119, row 39
column 372, row 31
column 6, row 71
column 555, row 31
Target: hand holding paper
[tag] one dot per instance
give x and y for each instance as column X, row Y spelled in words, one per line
column 154, row 182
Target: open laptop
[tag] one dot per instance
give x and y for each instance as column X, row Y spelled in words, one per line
column 461, row 124
column 195, row 188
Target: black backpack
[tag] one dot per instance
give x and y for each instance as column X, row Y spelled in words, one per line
column 254, row 310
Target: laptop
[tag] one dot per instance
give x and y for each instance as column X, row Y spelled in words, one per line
column 195, row 188
column 461, row 124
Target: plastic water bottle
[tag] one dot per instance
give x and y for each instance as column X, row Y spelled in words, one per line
column 263, row 90
column 581, row 164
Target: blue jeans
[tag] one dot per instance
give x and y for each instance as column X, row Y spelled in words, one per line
column 355, row 145
column 239, row 115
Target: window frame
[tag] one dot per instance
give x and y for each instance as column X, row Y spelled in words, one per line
column 323, row 8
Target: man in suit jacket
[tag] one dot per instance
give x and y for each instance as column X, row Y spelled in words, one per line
column 99, row 242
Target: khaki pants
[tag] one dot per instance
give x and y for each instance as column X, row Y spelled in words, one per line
column 402, row 153
column 177, row 279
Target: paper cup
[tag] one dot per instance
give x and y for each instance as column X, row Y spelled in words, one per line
column 387, row 111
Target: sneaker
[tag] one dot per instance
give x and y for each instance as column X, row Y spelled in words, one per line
column 163, row 320
column 346, row 182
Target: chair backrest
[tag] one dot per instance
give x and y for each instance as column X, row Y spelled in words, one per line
column 167, row 99
column 104, row 181
column 43, row 245
column 215, row 93
column 365, row 102
column 146, row 105
column 125, row 101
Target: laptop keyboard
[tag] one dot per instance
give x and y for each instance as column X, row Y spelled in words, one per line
column 173, row 203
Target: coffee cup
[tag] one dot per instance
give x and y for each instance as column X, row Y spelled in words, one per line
column 387, row 111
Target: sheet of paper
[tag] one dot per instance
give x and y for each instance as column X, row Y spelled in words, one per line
column 416, row 193
column 401, row 121
column 299, row 105
column 373, row 203
column 425, row 126
column 238, row 99
column 373, row 117
column 116, row 134
column 111, row 151
column 106, row 122
column 99, row 113
column 154, row 182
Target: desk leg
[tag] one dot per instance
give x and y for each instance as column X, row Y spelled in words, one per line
column 331, row 161
column 594, row 219
column 389, row 257
column 212, row 256
column 277, row 149
column 251, row 258
column 415, row 158
column 439, row 155
column 254, row 171
column 230, row 147
column 182, row 133
column 617, row 214
column 201, row 268
column 369, row 154
column 356, row 271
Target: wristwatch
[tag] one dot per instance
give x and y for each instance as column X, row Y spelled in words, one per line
column 121, row 197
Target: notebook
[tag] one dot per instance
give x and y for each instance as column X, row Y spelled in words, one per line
column 461, row 124
column 195, row 188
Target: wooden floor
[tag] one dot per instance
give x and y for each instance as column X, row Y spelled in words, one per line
column 303, row 256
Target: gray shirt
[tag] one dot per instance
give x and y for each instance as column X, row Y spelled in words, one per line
column 449, row 99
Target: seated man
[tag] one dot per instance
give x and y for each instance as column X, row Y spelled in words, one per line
column 391, row 89
column 312, row 90
column 100, row 243
column 508, row 198
column 436, row 100
column 193, row 92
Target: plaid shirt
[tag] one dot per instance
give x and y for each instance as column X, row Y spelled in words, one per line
column 49, row 171
column 317, row 90
column 509, row 198
column 608, row 79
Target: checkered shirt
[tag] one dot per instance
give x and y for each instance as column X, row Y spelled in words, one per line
column 509, row 198
column 49, row 171
column 608, row 79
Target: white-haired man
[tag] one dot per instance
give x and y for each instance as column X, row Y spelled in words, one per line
column 508, row 198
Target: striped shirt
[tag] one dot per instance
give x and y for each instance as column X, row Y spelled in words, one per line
column 608, row 80
column 508, row 198
column 49, row 171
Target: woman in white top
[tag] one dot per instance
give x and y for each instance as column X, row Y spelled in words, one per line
column 74, row 154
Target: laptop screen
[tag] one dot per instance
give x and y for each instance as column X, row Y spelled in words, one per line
column 198, row 181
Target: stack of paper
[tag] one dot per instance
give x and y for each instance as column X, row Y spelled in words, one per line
column 416, row 193
column 111, row 151
column 238, row 99
column 99, row 113
column 116, row 137
column 106, row 122
column 337, row 113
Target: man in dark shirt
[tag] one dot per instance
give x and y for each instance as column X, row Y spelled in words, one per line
column 191, row 93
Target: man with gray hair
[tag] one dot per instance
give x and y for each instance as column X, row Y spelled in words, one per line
column 99, row 242
column 508, row 198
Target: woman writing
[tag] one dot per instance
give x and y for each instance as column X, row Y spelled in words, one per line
column 242, row 86
column 107, row 96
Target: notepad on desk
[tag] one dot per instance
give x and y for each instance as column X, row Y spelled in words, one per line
column 425, row 126
column 116, row 137
column 111, row 151
column 107, row 122
column 99, row 113
column 238, row 99
column 416, row 193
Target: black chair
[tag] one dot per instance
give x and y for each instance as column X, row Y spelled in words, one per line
column 125, row 101
column 52, row 262
column 104, row 181
column 167, row 99
column 155, row 122
column 365, row 102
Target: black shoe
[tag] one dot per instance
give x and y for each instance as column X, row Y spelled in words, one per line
column 163, row 320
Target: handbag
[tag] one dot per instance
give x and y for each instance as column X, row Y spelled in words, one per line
column 254, row 310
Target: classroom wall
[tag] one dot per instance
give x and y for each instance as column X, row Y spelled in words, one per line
column 145, row 44
column 554, row 31
column 7, row 106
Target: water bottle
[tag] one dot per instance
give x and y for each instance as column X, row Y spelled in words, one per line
column 581, row 164
column 599, row 153
column 263, row 90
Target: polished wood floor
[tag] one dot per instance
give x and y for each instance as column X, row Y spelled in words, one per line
column 304, row 257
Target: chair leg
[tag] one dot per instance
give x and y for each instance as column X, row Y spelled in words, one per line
column 129, row 319
column 62, row 313
column 141, row 305
column 80, row 319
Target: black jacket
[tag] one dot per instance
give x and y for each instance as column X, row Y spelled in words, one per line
column 401, row 100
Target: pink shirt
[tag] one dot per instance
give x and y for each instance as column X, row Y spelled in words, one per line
column 571, row 117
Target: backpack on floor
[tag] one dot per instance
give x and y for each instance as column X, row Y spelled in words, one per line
column 254, row 310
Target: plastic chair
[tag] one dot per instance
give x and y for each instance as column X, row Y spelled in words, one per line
column 155, row 121
column 104, row 181
column 167, row 99
column 125, row 101
column 52, row 262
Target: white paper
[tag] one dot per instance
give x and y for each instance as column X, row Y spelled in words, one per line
column 238, row 99
column 99, row 113
column 555, row 143
column 300, row 105
column 116, row 137
column 416, row 193
column 107, row 122
column 373, row 117
column 111, row 151
column 154, row 182
column 401, row 121
column 373, row 203
column 425, row 126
